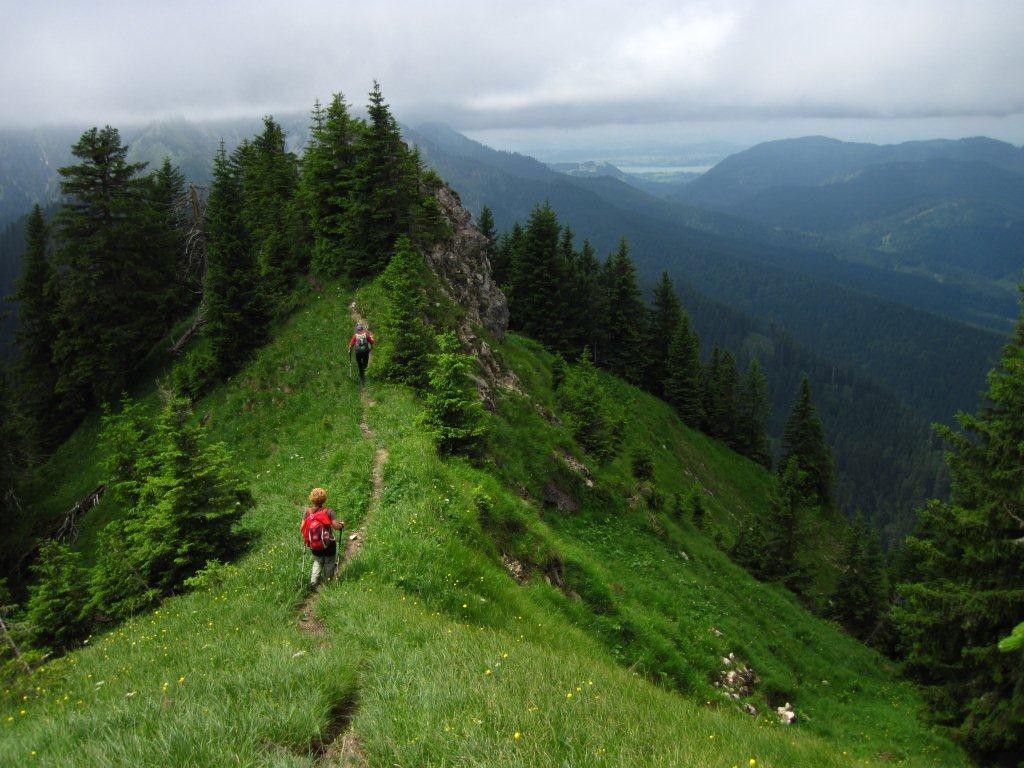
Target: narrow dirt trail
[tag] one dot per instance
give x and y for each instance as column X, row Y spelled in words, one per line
column 339, row 744
column 355, row 540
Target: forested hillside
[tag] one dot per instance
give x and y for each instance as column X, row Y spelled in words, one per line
column 948, row 211
column 538, row 553
column 861, row 414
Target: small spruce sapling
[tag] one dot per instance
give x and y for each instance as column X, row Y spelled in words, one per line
column 454, row 415
column 56, row 609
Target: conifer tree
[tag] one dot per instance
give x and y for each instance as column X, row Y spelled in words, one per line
column 384, row 193
column 859, row 597
column 183, row 500
column 454, row 413
column 752, row 417
column 593, row 419
column 534, row 306
column 727, row 387
column 586, row 297
column 104, row 266
column 57, row 598
column 328, row 177
column 624, row 318
column 36, row 336
column 12, row 451
column 666, row 314
column 966, row 591
column 189, row 506
column 769, row 551
column 804, row 439
column 269, row 178
column 506, row 256
column 236, row 313
column 683, row 382
column 485, row 223
column 166, row 242
column 715, row 401
column 404, row 334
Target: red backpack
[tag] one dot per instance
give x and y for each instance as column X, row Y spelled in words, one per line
column 316, row 529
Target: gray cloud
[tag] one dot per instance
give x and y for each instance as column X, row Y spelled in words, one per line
column 528, row 64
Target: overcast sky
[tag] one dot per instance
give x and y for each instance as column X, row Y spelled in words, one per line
column 739, row 70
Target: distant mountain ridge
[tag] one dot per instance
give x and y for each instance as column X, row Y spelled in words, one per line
column 29, row 158
column 949, row 211
column 818, row 160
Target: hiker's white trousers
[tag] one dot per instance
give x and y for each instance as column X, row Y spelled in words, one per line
column 323, row 569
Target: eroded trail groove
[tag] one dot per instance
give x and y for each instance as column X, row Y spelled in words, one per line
column 355, row 540
column 338, row 743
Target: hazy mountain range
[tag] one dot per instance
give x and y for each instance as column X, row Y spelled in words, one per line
column 886, row 272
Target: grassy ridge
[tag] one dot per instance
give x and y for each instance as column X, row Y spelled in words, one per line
column 432, row 653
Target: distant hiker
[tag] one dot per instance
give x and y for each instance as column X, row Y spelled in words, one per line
column 361, row 343
column 318, row 527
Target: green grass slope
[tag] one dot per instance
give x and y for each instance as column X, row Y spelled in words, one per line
column 602, row 653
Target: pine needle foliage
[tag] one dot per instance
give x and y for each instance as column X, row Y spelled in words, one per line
column 591, row 415
column 384, row 193
column 860, row 595
column 682, row 387
column 328, row 168
column 454, row 415
column 57, row 598
column 183, row 498
column 804, row 440
column 624, row 317
column 35, row 337
column 405, row 338
column 104, row 268
column 966, row 592
column 236, row 311
column 269, row 180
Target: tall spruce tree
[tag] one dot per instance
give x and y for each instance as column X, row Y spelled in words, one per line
column 166, row 240
column 804, row 439
column 769, row 551
column 236, row 312
column 683, row 381
column 727, row 388
column 714, row 399
column 485, row 223
column 624, row 318
column 384, row 192
column 405, row 338
column 328, row 173
column 534, row 305
column 12, row 451
column 104, row 266
column 966, row 591
column 35, row 339
column 860, row 594
column 269, row 179
column 753, row 410
column 506, row 256
column 666, row 313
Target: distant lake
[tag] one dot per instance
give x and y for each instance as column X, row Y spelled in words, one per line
column 665, row 168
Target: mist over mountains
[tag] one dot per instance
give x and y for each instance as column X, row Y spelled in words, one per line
column 846, row 261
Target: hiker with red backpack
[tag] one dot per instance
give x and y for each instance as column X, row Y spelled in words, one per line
column 318, row 527
column 361, row 343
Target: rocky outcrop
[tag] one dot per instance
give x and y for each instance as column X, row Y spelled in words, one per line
column 462, row 264
column 465, row 271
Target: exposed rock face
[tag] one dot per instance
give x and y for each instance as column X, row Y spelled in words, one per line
column 465, row 272
column 463, row 266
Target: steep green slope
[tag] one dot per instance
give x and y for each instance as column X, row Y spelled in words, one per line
column 430, row 652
